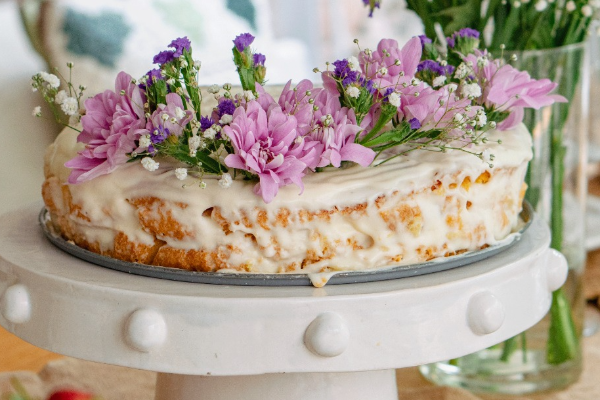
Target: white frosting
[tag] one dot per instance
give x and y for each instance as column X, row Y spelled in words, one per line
column 441, row 219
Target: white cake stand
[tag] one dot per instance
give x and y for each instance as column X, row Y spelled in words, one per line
column 249, row 343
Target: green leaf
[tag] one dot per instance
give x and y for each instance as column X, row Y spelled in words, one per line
column 160, row 88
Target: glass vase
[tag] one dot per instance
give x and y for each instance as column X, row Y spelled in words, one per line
column 548, row 355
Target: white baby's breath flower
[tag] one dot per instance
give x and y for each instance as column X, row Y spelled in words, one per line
column 517, row 4
column 458, row 117
column 225, row 181
column 171, row 81
column 149, row 164
column 352, row 91
column 226, row 119
column 179, row 113
column 164, row 116
column 181, row 173
column 194, row 142
column 481, row 119
column 461, row 71
column 587, row 10
column 541, row 5
column 482, row 61
column 37, row 111
column 353, row 63
column 60, row 97
column 382, row 71
column 471, row 90
column 51, row 79
column 210, row 133
column 197, row 64
column 452, row 87
column 570, row 6
column 202, row 185
column 248, row 95
column 145, row 141
column 439, row 81
column 70, row 106
column 394, row 99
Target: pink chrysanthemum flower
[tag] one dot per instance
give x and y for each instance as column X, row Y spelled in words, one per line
column 110, row 128
column 509, row 89
column 266, row 145
column 390, row 66
column 335, row 128
column 296, row 102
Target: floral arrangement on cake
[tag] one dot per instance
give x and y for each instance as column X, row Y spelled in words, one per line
column 382, row 104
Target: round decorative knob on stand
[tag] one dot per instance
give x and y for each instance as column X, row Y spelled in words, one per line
column 267, row 343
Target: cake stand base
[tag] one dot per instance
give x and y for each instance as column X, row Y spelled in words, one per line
column 269, row 343
column 380, row 385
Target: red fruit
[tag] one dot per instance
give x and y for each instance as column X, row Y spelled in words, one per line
column 70, row 395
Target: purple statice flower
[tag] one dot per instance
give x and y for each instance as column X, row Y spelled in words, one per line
column 206, row 122
column 226, row 106
column 242, row 41
column 158, row 135
column 414, row 123
column 449, row 69
column 386, row 93
column 163, row 57
column 259, row 59
column 463, row 33
column 368, row 84
column 341, row 68
column 111, row 127
column 265, row 145
column 431, row 66
column 342, row 71
column 153, row 75
column 376, row 4
column 179, row 45
column 424, row 40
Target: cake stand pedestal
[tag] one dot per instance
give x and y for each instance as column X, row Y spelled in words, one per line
column 249, row 343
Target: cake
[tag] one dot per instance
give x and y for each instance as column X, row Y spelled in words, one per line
column 425, row 183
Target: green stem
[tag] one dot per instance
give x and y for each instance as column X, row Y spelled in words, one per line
column 563, row 340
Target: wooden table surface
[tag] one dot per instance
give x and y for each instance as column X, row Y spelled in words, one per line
column 18, row 355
